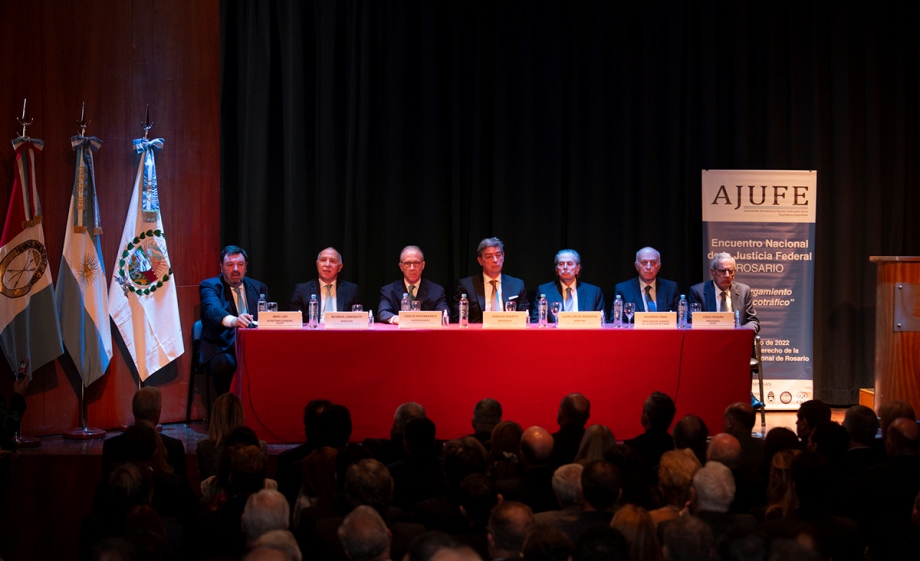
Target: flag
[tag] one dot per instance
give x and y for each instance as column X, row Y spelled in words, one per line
column 28, row 322
column 82, row 303
column 142, row 296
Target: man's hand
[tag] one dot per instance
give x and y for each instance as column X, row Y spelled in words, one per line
column 394, row 320
column 20, row 386
column 243, row 320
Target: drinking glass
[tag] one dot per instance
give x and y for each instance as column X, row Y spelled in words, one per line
column 415, row 306
column 511, row 305
column 273, row 306
column 630, row 310
column 357, row 308
column 555, row 307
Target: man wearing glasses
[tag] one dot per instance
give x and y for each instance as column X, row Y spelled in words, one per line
column 722, row 294
column 431, row 295
column 567, row 289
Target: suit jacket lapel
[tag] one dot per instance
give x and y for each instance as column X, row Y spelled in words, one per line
column 340, row 298
column 711, row 296
column 480, row 288
column 736, row 297
column 252, row 295
column 422, row 292
column 228, row 297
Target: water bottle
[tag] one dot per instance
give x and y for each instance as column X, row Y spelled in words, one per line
column 313, row 312
column 262, row 305
column 404, row 304
column 541, row 310
column 682, row 311
column 445, row 318
column 737, row 319
column 464, row 311
column 370, row 319
column 618, row 311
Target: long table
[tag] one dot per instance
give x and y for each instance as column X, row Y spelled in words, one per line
column 448, row 370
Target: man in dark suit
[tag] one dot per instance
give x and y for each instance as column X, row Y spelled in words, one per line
column 648, row 292
column 228, row 301
column 490, row 290
column 332, row 294
column 146, row 407
column 567, row 289
column 722, row 294
column 431, row 295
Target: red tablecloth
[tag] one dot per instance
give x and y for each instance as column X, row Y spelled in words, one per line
column 447, row 371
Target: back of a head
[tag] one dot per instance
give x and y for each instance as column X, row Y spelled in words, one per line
column 687, row 538
column 364, row 535
column 741, row 417
column 814, row 411
column 779, row 438
column 265, row 510
column 567, row 484
column 458, row 553
column 691, row 432
column 536, row 446
column 574, row 409
column 659, row 410
column 311, row 414
column 146, row 405
column 226, row 415
column 861, row 425
column 675, row 475
column 420, row 435
column 714, row 486
column 424, row 546
column 596, row 442
column 139, row 443
column 282, row 541
column 635, row 523
column 242, row 435
column 405, row 413
column 509, row 524
column 811, row 475
column 740, row 543
column 319, row 473
column 547, row 543
column 600, row 485
column 248, row 467
column 369, row 483
column 891, row 410
column 463, row 457
column 129, row 485
column 903, row 437
column 831, row 440
column 334, row 428
column 486, row 414
column 725, row 449
column 601, row 544
column 506, row 437
column 478, row 497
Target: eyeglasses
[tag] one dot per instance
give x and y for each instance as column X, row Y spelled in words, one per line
column 411, row 264
column 725, row 272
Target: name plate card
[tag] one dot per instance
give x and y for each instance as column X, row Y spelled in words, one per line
column 420, row 320
column 346, row 320
column 280, row 320
column 580, row 320
column 713, row 320
column 655, row 320
column 504, row 320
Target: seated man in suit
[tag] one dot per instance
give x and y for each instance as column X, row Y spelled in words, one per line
column 490, row 290
column 722, row 294
column 228, row 301
column 332, row 294
column 146, row 407
column 574, row 295
column 648, row 292
column 431, row 295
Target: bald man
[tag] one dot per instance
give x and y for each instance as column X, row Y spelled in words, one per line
column 535, row 486
column 332, row 294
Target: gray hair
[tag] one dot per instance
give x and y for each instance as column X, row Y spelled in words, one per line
column 715, row 487
column 407, row 248
column 339, row 255
column 279, row 540
column 649, row 248
column 363, row 534
column 265, row 511
column 567, row 484
column 572, row 251
column 487, row 243
column 718, row 257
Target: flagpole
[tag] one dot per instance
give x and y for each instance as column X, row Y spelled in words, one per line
column 84, row 432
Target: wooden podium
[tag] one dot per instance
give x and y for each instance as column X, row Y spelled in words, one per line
column 897, row 348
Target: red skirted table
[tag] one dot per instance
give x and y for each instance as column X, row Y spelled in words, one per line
column 448, row 370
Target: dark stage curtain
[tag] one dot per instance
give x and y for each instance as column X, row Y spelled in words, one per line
column 370, row 125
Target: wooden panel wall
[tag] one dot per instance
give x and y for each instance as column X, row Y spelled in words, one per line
column 117, row 56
